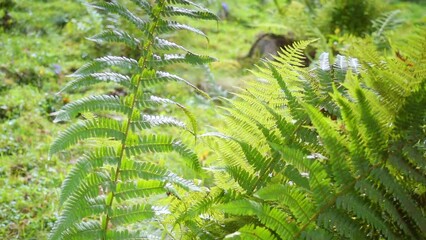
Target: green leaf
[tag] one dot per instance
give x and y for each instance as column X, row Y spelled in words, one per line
column 91, row 104
column 105, row 62
column 98, row 128
column 116, row 36
column 130, row 214
column 122, row 11
column 177, row 11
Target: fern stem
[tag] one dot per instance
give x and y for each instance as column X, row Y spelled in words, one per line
column 156, row 18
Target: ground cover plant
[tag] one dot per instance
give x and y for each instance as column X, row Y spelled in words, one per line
column 43, row 41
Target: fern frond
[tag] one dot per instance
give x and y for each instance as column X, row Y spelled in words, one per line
column 149, row 121
column 112, row 7
column 94, row 78
column 69, row 218
column 177, row 11
column 148, row 171
column 118, row 37
column 154, row 100
column 129, row 214
column 97, row 128
column 127, row 235
column 84, row 230
column 91, row 104
column 138, row 189
column 360, row 209
column 165, row 26
column 252, row 232
column 168, row 45
column 297, row 201
column 292, row 54
column 84, row 166
column 190, row 58
column 400, row 194
column 99, row 64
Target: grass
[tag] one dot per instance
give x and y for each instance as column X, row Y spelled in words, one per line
column 47, row 42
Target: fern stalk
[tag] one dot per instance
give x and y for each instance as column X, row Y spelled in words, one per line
column 147, row 49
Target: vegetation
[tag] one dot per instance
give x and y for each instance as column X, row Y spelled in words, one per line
column 330, row 151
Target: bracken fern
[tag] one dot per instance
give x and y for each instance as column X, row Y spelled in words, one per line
column 107, row 191
column 335, row 152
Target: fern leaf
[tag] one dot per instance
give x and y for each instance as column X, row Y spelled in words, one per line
column 84, row 167
column 190, row 58
column 94, row 78
column 127, row 235
column 293, row 54
column 177, row 11
column 252, row 232
column 98, row 128
column 138, row 189
column 91, row 104
column 165, row 26
column 130, row 214
column 116, row 36
column 168, row 45
column 359, row 208
column 154, row 100
column 70, row 217
column 298, row 202
column 377, row 196
column 116, row 8
column 149, row 121
column 162, row 77
column 400, row 194
column 84, row 230
column 148, row 171
column 145, row 5
column 105, row 62
column 340, row 224
column 157, row 143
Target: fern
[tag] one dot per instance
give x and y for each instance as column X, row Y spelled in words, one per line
column 326, row 153
column 106, row 194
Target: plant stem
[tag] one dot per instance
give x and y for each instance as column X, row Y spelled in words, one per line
column 142, row 65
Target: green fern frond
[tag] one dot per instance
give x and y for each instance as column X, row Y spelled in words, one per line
column 112, row 7
column 162, row 77
column 400, row 193
column 149, row 171
column 84, row 167
column 84, row 230
column 252, row 232
column 94, row 78
column 168, row 45
column 138, row 189
column 177, row 11
column 127, row 235
column 154, row 100
column 102, row 196
column 297, row 201
column 99, row 64
column 130, row 214
column 292, row 54
column 91, row 104
column 190, row 58
column 69, row 218
column 118, row 37
column 149, row 121
column 360, row 209
column 98, row 128
column 165, row 26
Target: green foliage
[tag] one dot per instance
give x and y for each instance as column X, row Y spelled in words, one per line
column 109, row 189
column 329, row 153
